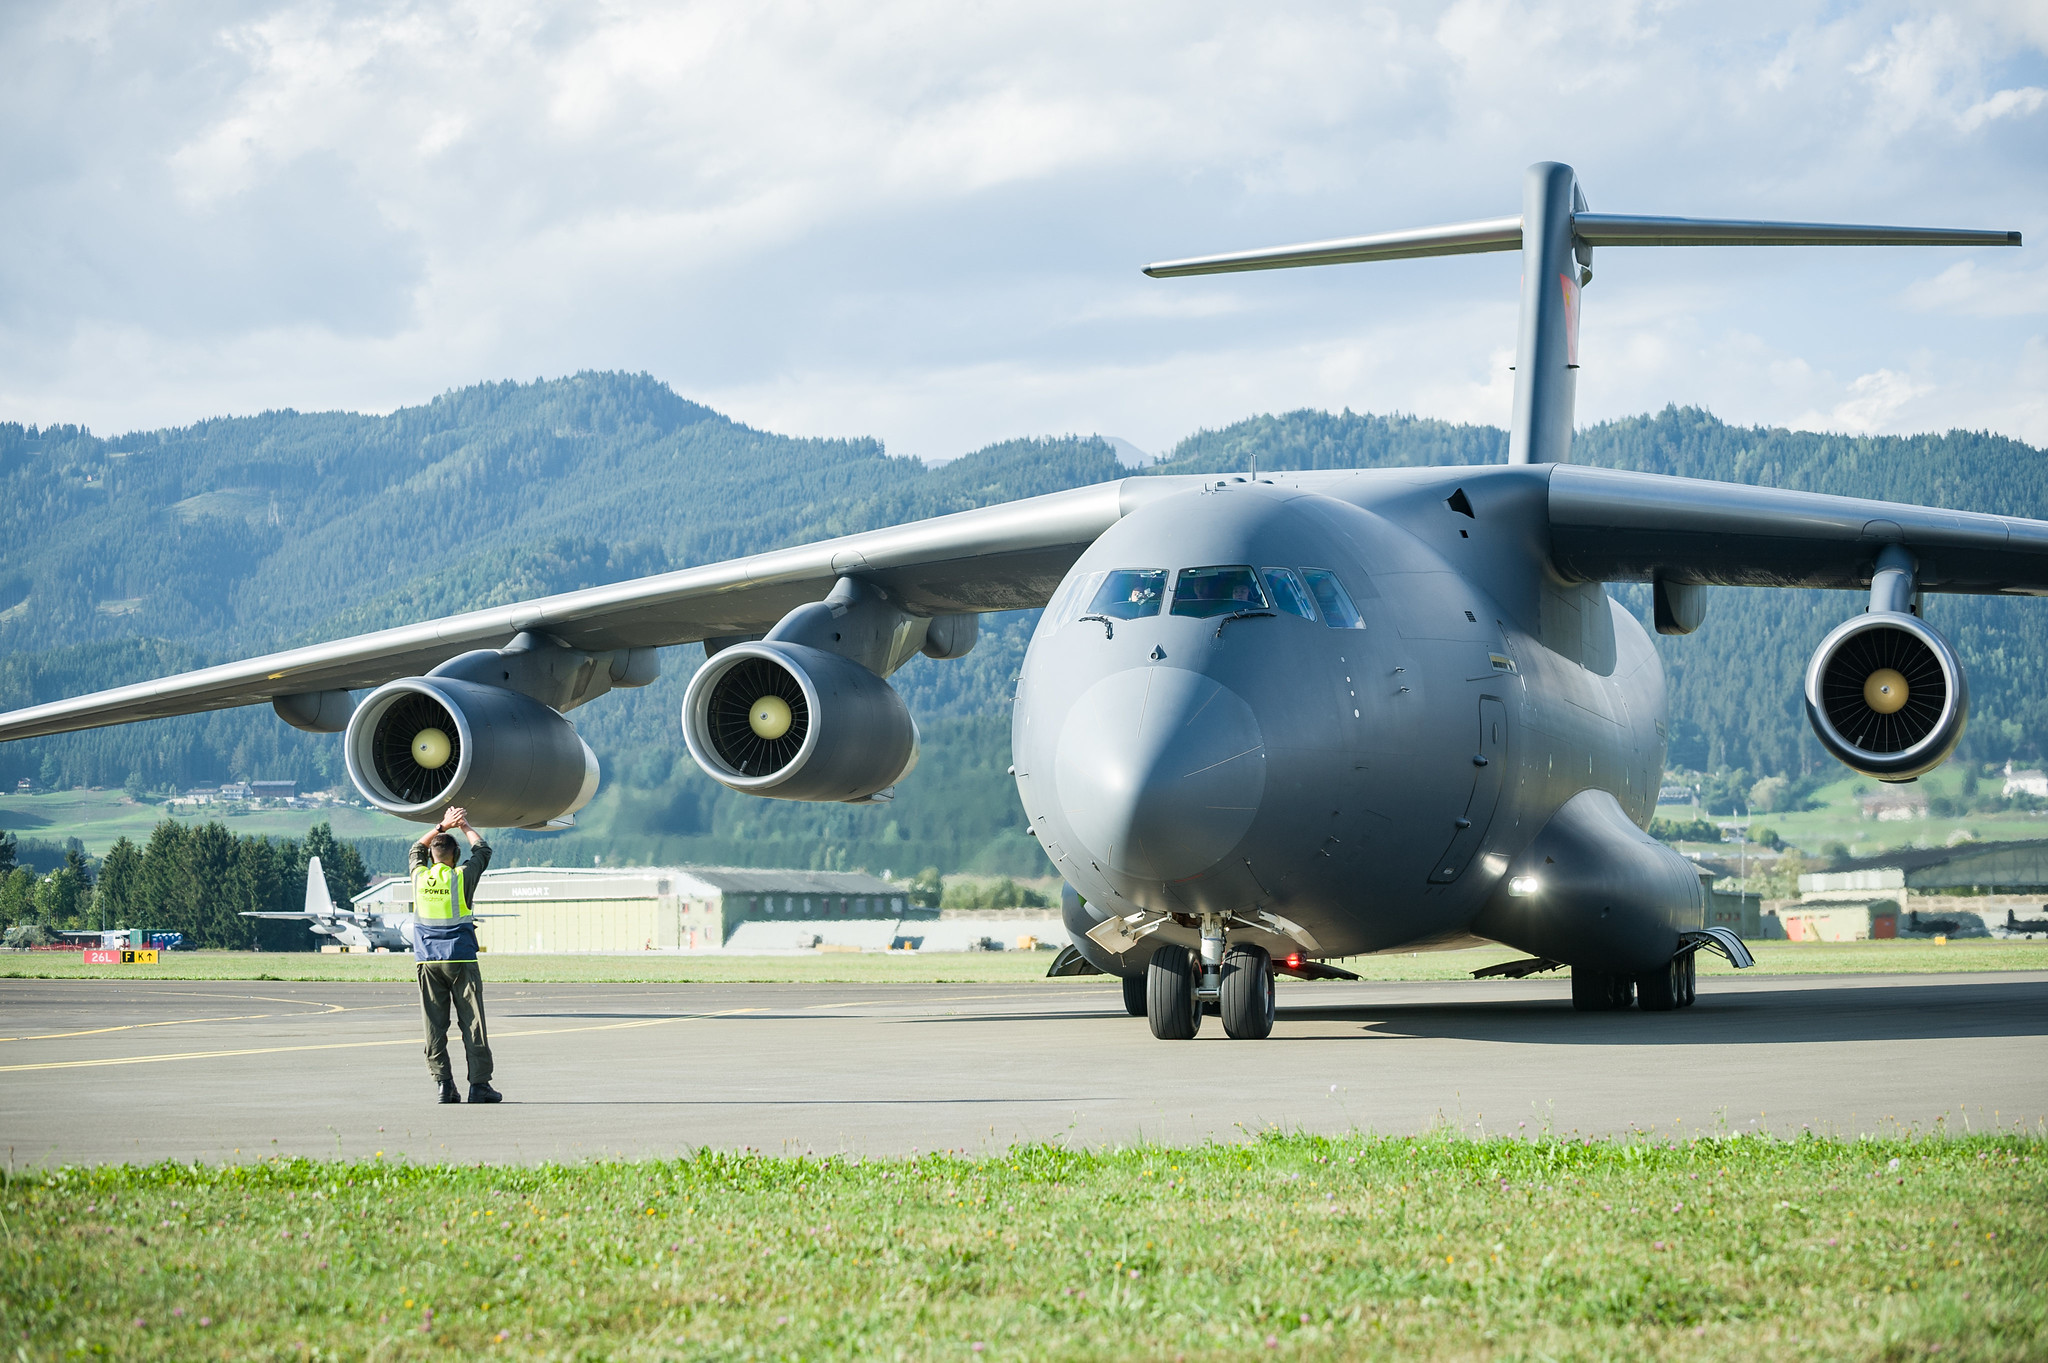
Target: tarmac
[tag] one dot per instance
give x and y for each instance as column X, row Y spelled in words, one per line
column 131, row 1070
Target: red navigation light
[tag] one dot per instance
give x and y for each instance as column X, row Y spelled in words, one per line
column 1294, row 960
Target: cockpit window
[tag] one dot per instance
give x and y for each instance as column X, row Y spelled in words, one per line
column 1128, row 593
column 1288, row 593
column 1338, row 612
column 1206, row 592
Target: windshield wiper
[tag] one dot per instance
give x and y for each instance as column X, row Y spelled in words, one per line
column 1237, row 615
column 1108, row 625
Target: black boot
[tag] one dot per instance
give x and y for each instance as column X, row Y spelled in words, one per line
column 450, row 1093
column 484, row 1093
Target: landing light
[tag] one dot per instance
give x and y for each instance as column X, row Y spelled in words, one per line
column 1523, row 885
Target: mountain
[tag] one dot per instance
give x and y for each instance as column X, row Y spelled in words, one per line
column 155, row 551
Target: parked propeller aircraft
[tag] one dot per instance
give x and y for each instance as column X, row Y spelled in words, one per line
column 352, row 928
column 1264, row 720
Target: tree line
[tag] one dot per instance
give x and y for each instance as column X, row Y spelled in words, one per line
column 190, row 879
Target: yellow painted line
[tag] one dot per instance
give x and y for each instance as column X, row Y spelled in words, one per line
column 132, row 1026
column 315, row 1009
column 353, row 1045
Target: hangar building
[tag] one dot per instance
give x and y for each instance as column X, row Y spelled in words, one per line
column 671, row 908
column 1973, row 889
column 1967, row 868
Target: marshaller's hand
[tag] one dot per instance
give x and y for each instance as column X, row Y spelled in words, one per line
column 455, row 818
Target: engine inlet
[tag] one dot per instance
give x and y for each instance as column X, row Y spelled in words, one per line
column 1887, row 696
column 416, row 748
column 757, row 717
column 1884, row 690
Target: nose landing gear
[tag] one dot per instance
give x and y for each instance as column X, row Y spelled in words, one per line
column 1134, row 994
column 1244, row 994
column 1170, row 1003
column 1246, row 999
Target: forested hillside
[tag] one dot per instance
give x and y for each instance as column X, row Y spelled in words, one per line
column 129, row 557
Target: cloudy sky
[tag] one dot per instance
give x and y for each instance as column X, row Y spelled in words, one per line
column 924, row 221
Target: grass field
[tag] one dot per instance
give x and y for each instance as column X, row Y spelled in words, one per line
column 1286, row 1247
column 1837, row 818
column 1773, row 958
column 98, row 818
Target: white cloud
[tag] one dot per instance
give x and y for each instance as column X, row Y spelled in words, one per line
column 1971, row 290
column 2004, row 104
column 923, row 221
column 1873, row 403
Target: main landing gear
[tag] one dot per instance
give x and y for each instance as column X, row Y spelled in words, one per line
column 1671, row 986
column 1240, row 989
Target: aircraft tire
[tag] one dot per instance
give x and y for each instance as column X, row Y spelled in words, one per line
column 1689, row 979
column 1134, row 994
column 1663, row 989
column 1592, row 991
column 1170, row 1003
column 1247, row 989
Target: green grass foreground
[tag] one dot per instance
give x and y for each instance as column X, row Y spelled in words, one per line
column 1288, row 1246
column 974, row 967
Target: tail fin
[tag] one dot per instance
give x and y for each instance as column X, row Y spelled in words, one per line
column 318, row 900
column 1556, row 236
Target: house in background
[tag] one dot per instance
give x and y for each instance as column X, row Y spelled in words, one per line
column 2025, row 782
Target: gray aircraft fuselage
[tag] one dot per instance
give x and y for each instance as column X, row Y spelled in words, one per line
column 1382, row 785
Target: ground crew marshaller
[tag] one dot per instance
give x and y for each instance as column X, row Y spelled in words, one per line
column 444, row 949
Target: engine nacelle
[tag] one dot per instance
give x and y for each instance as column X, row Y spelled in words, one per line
column 1887, row 695
column 797, row 723
column 419, row 744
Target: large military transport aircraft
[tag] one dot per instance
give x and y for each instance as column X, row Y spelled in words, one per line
column 1265, row 720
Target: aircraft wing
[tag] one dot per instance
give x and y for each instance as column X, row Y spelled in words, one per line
column 1006, row 557
column 1610, row 525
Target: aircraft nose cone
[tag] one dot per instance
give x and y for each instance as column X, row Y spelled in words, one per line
column 1160, row 772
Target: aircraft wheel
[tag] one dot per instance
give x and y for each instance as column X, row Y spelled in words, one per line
column 1134, row 995
column 1592, row 991
column 1662, row 989
column 1170, row 1003
column 1247, row 989
column 1689, row 979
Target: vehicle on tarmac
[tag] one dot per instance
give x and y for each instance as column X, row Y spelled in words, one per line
column 1265, row 720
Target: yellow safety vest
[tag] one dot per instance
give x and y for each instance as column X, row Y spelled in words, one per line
column 437, row 892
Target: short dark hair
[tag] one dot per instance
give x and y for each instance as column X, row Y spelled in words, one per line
column 444, row 842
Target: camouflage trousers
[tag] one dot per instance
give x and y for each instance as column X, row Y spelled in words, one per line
column 456, row 985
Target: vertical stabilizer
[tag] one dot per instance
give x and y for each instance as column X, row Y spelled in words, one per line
column 1556, row 235
column 1547, row 346
column 318, row 900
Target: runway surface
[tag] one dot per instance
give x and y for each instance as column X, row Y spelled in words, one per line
column 137, row 1070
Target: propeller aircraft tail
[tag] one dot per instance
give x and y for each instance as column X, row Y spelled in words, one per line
column 319, row 902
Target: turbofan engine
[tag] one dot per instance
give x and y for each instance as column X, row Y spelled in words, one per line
column 419, row 744
column 1887, row 695
column 797, row 723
